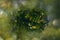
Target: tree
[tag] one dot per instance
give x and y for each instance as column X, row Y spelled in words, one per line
column 29, row 20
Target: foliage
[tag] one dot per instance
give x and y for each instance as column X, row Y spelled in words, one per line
column 30, row 20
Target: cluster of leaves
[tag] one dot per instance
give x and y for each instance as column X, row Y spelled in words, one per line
column 27, row 19
column 31, row 19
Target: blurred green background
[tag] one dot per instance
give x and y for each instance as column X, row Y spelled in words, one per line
column 29, row 20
